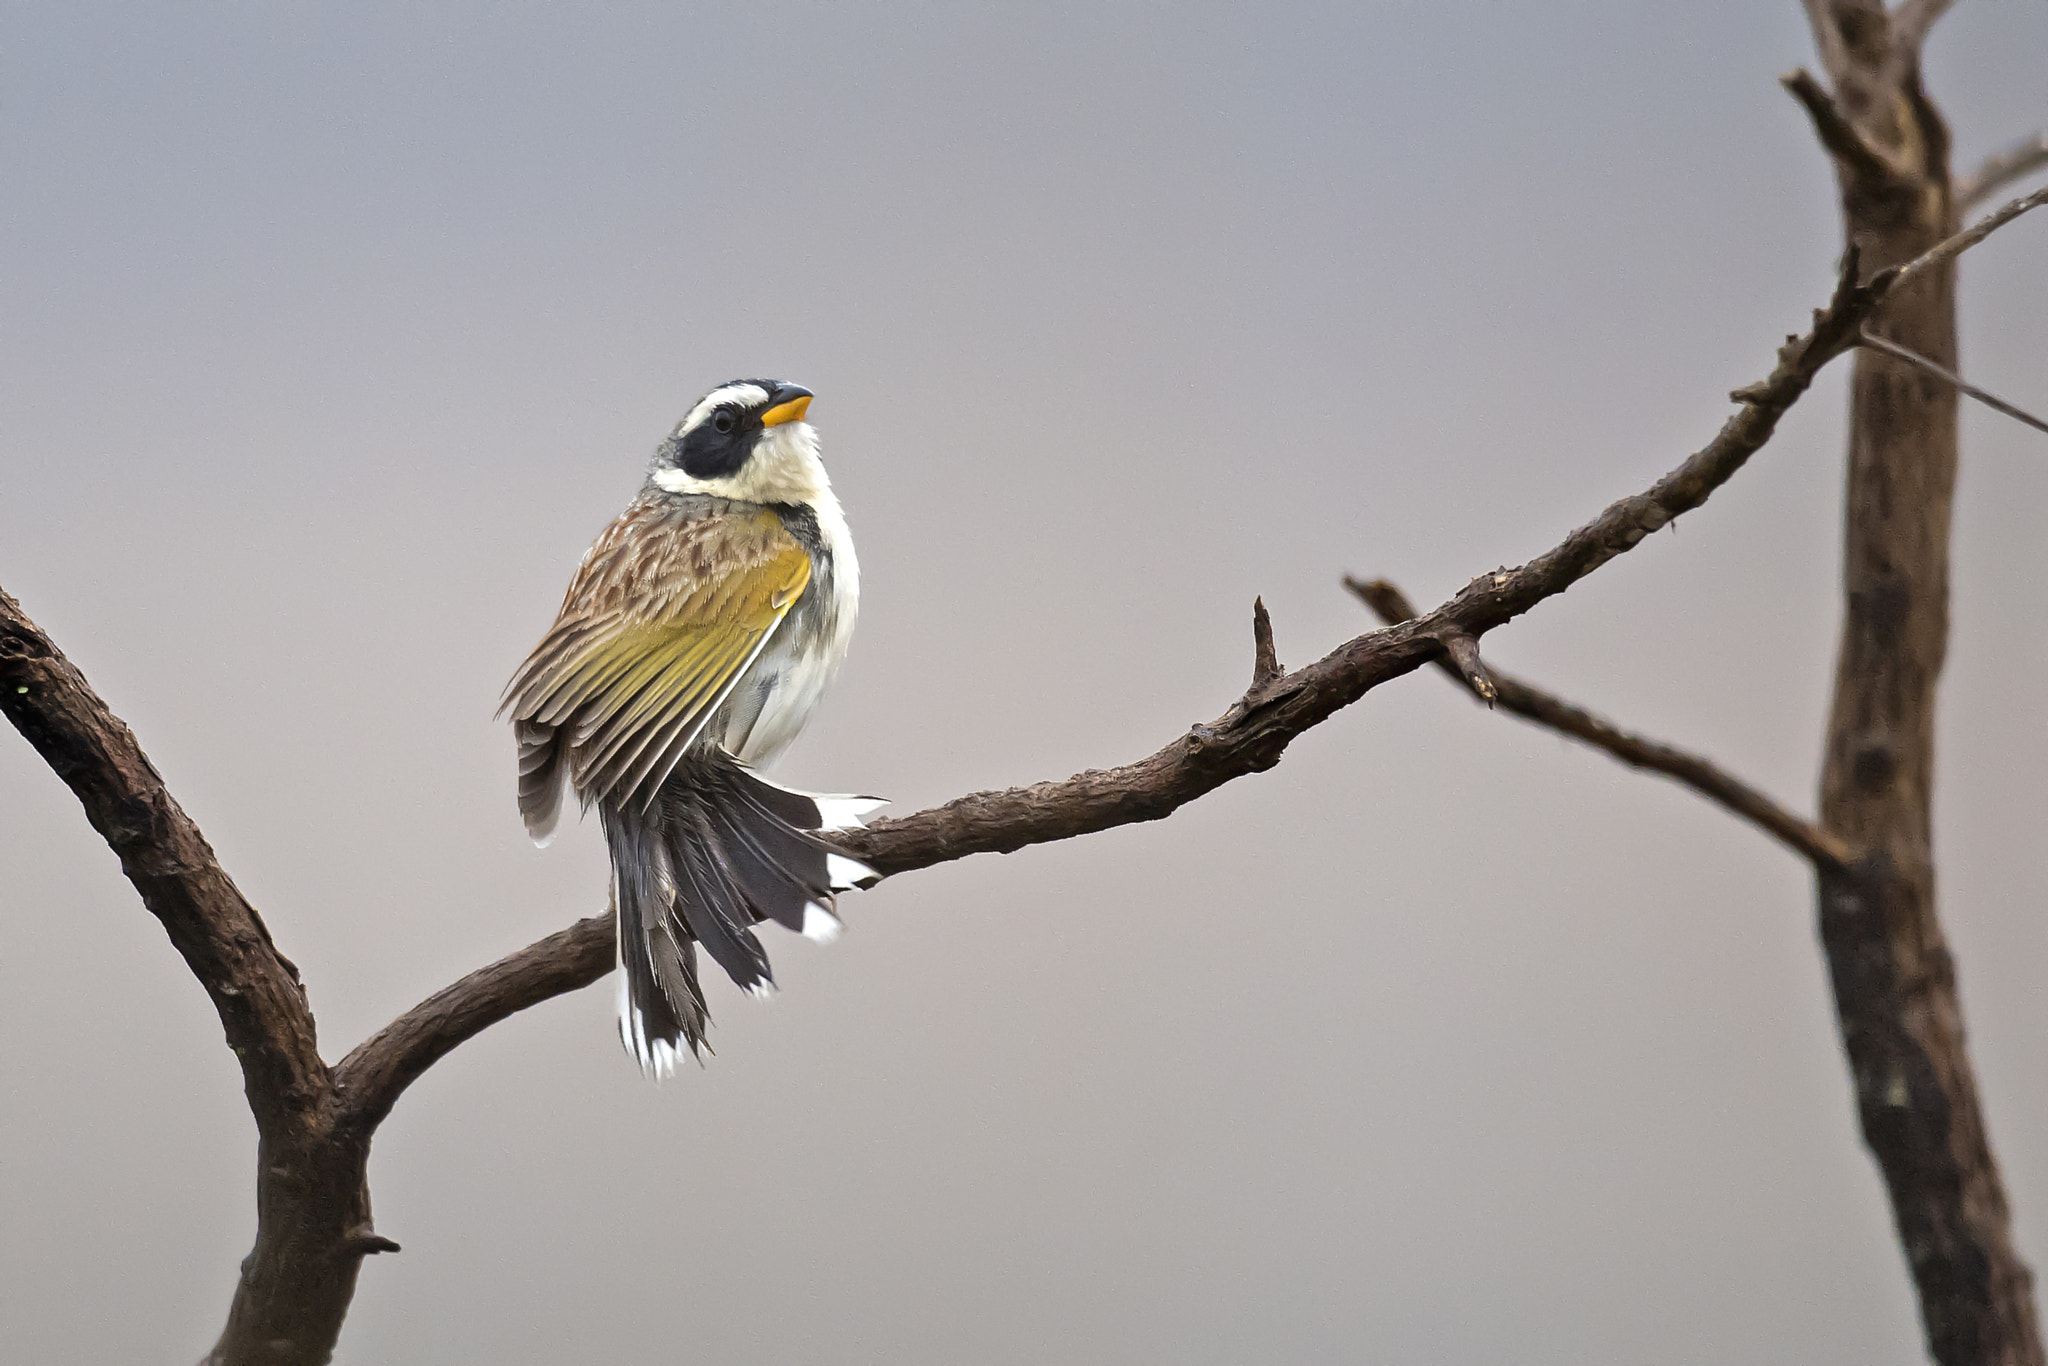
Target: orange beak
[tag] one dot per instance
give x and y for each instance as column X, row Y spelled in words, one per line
column 791, row 403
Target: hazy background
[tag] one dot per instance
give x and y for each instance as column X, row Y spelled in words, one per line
column 332, row 334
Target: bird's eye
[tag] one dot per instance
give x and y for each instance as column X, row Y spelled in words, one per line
column 724, row 422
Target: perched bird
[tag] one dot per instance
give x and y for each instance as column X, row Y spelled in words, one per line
column 698, row 633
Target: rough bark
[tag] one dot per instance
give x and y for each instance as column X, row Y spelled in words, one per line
column 312, row 1196
column 1893, row 977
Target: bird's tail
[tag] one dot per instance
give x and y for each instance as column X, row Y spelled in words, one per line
column 720, row 850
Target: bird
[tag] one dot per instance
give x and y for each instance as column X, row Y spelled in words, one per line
column 695, row 638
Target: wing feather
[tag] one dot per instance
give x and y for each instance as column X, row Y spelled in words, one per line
column 664, row 617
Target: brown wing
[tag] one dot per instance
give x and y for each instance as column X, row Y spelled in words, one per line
column 663, row 616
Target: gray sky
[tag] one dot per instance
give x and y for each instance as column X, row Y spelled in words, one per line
column 331, row 336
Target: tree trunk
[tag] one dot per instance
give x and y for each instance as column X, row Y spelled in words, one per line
column 1893, row 977
column 312, row 1232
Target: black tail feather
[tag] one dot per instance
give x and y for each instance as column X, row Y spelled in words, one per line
column 721, row 851
column 771, row 886
column 661, row 1005
column 710, row 901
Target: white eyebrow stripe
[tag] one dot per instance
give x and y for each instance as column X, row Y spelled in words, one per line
column 745, row 395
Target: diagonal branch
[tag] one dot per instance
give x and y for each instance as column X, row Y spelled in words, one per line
column 1248, row 738
column 1951, row 247
column 254, row 989
column 1950, row 377
column 372, row 1077
column 1801, row 836
column 2001, row 169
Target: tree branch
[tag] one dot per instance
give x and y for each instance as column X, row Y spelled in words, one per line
column 1827, row 36
column 1801, row 836
column 312, row 1196
column 1866, row 161
column 1266, row 668
column 1248, row 738
column 1950, row 377
column 2001, row 169
column 1911, row 22
column 254, row 989
column 370, row 1079
column 1949, row 248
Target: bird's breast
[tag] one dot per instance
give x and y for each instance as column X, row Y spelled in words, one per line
column 775, row 697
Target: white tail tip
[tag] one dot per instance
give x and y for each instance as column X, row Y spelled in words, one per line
column 820, row 925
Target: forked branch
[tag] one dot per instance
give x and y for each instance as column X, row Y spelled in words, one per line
column 1861, row 154
column 1248, row 738
column 255, row 990
column 1796, row 833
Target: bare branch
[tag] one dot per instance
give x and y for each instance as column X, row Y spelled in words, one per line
column 1393, row 608
column 1950, row 248
column 370, row 1079
column 1799, row 835
column 2001, row 169
column 1920, row 362
column 1911, row 22
column 364, row 1241
column 1248, row 738
column 1265, row 659
column 254, row 989
column 297, row 1281
column 1865, row 159
column 1461, row 652
column 1827, row 36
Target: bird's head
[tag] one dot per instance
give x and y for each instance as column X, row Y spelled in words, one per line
column 746, row 439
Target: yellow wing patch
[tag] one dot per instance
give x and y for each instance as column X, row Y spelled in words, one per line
column 660, row 623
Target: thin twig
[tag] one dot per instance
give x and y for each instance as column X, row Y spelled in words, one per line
column 1952, row 247
column 1461, row 658
column 1920, row 362
column 2001, row 169
column 1717, row 785
column 1911, row 23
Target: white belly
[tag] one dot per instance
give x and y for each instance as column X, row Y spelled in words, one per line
column 773, row 699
